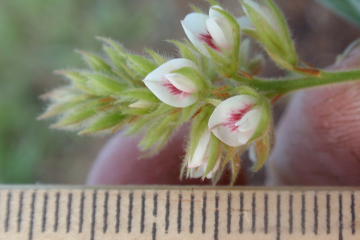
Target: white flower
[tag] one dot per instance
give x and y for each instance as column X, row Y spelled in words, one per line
column 199, row 160
column 172, row 88
column 213, row 30
column 235, row 120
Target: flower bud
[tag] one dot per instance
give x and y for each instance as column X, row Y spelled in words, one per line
column 239, row 120
column 213, row 31
column 269, row 27
column 173, row 89
column 197, row 163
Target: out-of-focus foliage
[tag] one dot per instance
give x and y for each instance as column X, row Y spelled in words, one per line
column 349, row 9
column 37, row 37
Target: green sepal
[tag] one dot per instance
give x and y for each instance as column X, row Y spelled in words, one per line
column 63, row 107
column 262, row 150
column 105, row 84
column 144, row 65
column 213, row 2
column 188, row 112
column 157, row 58
column 76, row 77
column 108, row 120
column 195, row 76
column 214, row 155
column 155, row 131
column 95, row 62
column 195, row 9
column 217, row 58
column 244, row 90
column 235, row 168
column 160, row 142
column 138, row 125
column 114, row 44
column 137, row 111
column 137, row 93
column 75, row 117
column 230, row 153
column 119, row 62
column 279, row 43
column 265, row 119
column 185, row 52
column 161, row 110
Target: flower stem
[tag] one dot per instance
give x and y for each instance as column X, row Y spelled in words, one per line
column 286, row 85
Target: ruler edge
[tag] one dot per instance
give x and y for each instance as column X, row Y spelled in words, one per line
column 175, row 187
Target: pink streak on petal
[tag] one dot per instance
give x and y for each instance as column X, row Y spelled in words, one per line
column 235, row 116
column 208, row 40
column 173, row 90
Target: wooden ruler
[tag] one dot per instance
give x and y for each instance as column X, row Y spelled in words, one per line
column 150, row 212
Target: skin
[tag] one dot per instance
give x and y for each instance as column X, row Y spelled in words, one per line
column 317, row 143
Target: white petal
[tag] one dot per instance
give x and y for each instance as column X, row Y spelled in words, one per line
column 198, row 172
column 245, row 22
column 158, row 75
column 252, row 153
column 250, row 120
column 221, row 31
column 179, row 99
column 213, row 13
column 182, row 83
column 223, row 119
column 244, row 137
column 202, row 150
column 194, row 25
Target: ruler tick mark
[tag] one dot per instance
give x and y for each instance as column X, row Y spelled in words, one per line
column 20, row 211
column 106, row 201
column 328, row 213
column 155, row 204
column 241, row 221
column 229, row 213
column 316, row 215
column 278, row 217
column 68, row 218
column 131, row 199
column 340, row 217
column 266, row 214
column 191, row 227
column 179, row 214
column 291, row 198
column 44, row 212
column 167, row 213
column 154, row 231
column 57, row 202
column 93, row 216
column 253, row 205
column 81, row 214
column 142, row 222
column 8, row 205
column 203, row 211
column 352, row 213
column 31, row 227
column 303, row 214
column 216, row 226
column 117, row 224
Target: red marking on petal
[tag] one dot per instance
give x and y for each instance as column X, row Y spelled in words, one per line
column 208, row 40
column 173, row 90
column 236, row 115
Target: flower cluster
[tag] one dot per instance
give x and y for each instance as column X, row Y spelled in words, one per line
column 213, row 85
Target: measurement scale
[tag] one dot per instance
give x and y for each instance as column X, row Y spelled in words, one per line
column 153, row 212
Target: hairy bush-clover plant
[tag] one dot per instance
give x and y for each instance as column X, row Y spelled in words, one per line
column 213, row 85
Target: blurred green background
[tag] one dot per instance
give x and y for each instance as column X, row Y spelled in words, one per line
column 37, row 37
